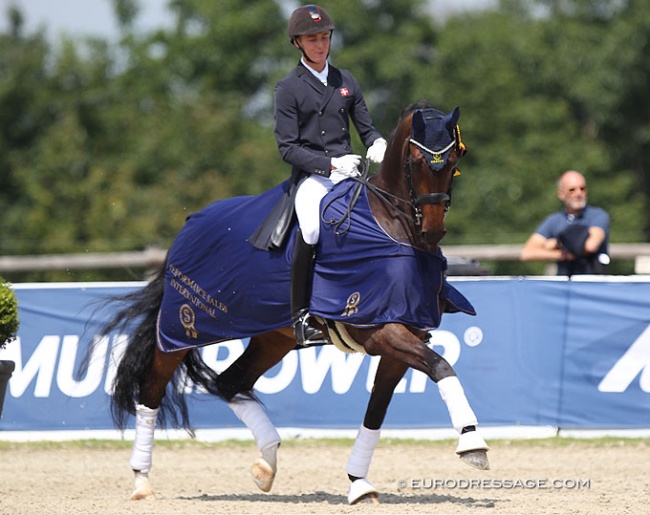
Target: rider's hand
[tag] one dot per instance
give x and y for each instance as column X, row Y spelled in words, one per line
column 377, row 150
column 344, row 167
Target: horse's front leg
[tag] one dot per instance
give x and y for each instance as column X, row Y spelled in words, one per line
column 389, row 373
column 152, row 391
column 395, row 341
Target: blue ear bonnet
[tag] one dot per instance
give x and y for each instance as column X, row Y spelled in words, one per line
column 434, row 133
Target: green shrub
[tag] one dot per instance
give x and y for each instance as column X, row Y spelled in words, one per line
column 8, row 313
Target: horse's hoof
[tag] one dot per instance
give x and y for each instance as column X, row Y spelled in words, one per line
column 371, row 498
column 263, row 474
column 477, row 459
column 143, row 490
column 362, row 492
column 472, row 449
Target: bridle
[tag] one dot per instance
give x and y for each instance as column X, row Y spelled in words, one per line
column 426, row 198
column 415, row 202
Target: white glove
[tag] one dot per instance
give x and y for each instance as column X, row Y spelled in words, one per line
column 377, row 150
column 345, row 167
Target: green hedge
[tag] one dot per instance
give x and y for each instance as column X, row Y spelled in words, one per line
column 8, row 313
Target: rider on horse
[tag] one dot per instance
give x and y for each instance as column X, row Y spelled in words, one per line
column 314, row 104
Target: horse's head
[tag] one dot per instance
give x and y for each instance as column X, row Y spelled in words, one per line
column 421, row 159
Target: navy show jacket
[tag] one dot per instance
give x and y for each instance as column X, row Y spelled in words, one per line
column 312, row 121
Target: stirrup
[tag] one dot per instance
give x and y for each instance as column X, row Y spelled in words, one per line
column 306, row 334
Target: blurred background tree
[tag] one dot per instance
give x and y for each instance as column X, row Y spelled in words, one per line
column 109, row 145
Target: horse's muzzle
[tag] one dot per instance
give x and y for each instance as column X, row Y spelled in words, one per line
column 432, row 238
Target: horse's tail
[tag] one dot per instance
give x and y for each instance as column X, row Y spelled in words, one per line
column 138, row 318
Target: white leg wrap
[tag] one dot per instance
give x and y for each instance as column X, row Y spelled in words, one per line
column 145, row 425
column 251, row 413
column 453, row 395
column 471, row 441
column 362, row 451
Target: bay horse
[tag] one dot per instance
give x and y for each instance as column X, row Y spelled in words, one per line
column 399, row 211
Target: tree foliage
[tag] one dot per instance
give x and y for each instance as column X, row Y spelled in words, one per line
column 109, row 145
column 9, row 322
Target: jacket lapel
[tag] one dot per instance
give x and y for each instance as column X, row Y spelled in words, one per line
column 334, row 81
column 310, row 79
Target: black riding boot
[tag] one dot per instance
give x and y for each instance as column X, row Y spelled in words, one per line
column 302, row 271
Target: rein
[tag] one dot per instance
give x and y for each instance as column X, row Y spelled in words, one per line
column 361, row 181
column 383, row 195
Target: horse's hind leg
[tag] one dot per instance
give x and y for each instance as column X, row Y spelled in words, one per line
column 141, row 454
column 252, row 414
column 152, row 390
column 236, row 384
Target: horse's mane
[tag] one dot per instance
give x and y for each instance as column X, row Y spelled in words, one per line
column 422, row 104
column 408, row 110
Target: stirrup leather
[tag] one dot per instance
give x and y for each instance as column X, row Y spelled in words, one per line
column 306, row 334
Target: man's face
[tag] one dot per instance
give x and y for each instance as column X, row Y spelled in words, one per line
column 317, row 48
column 573, row 192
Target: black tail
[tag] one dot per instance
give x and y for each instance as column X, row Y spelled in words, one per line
column 137, row 318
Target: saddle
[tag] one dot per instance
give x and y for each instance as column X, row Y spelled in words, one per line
column 272, row 233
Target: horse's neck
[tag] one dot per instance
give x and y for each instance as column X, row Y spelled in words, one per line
column 398, row 220
column 391, row 219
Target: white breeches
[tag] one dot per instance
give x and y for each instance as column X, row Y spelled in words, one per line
column 310, row 192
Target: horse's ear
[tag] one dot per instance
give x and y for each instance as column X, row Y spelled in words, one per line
column 418, row 125
column 451, row 120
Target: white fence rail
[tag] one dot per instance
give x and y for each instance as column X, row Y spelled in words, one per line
column 148, row 258
column 154, row 257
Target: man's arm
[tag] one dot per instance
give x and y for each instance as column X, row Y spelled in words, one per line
column 539, row 248
column 594, row 240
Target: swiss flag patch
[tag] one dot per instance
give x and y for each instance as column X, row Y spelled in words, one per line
column 344, row 92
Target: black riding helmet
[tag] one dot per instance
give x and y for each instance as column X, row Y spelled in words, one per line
column 309, row 19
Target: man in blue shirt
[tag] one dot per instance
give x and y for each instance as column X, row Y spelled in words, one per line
column 576, row 237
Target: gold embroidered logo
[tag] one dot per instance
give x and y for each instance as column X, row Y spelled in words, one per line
column 437, row 158
column 351, row 307
column 186, row 314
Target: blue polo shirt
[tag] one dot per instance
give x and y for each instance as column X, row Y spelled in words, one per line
column 555, row 223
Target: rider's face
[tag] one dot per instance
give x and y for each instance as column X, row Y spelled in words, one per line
column 317, row 48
